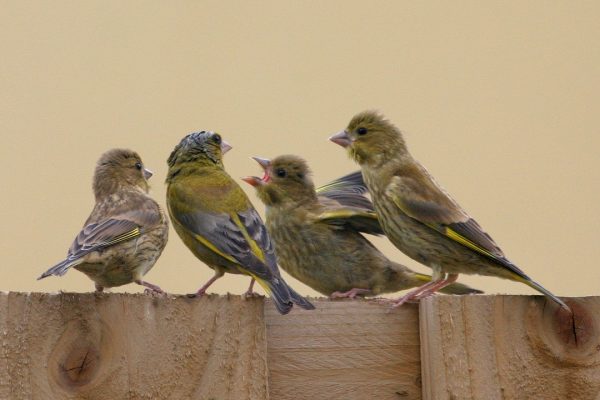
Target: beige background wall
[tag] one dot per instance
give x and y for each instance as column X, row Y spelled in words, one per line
column 501, row 101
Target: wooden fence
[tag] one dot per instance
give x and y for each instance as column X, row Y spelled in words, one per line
column 132, row 346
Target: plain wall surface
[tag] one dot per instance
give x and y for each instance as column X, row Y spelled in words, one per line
column 500, row 101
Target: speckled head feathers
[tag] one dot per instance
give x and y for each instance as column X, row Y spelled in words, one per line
column 118, row 168
column 199, row 146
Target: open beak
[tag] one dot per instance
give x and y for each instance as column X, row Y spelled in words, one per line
column 253, row 181
column 263, row 162
column 225, row 147
column 342, row 139
column 147, row 173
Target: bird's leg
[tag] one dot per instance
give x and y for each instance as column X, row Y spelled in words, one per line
column 202, row 290
column 451, row 278
column 99, row 288
column 250, row 291
column 151, row 288
column 351, row 294
column 412, row 295
column 426, row 290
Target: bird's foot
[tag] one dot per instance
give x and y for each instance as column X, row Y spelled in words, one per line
column 250, row 292
column 408, row 298
column 199, row 293
column 350, row 294
column 150, row 288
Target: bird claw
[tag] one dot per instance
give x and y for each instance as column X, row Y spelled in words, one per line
column 154, row 292
column 350, row 294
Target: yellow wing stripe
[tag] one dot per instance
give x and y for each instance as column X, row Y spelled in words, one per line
column 423, row 278
column 466, row 242
column 125, row 236
column 255, row 248
column 338, row 214
column 213, row 248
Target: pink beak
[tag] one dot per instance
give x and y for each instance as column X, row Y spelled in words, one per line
column 225, row 147
column 342, row 139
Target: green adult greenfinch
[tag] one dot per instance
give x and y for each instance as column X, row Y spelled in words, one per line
column 216, row 221
column 126, row 231
column 317, row 233
column 417, row 215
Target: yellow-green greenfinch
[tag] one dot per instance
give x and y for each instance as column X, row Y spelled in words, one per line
column 317, row 233
column 126, row 231
column 417, row 215
column 216, row 221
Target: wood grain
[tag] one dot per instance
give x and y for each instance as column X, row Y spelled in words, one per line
column 509, row 347
column 351, row 349
column 124, row 346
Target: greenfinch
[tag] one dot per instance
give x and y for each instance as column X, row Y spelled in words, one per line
column 126, row 231
column 317, row 233
column 215, row 219
column 417, row 215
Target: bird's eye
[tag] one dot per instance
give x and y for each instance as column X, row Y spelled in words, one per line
column 362, row 130
column 138, row 166
column 216, row 138
column 281, row 173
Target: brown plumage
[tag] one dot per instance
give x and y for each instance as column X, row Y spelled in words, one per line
column 417, row 215
column 126, row 231
column 317, row 233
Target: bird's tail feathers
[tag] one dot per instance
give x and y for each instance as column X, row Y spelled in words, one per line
column 60, row 269
column 545, row 291
column 278, row 290
column 300, row 301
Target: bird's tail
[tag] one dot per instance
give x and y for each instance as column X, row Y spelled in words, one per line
column 454, row 288
column 279, row 292
column 545, row 291
column 59, row 269
column 282, row 295
column 300, row 301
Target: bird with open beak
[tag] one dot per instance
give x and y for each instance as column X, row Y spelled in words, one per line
column 318, row 233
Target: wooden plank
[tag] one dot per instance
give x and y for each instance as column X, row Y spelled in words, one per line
column 509, row 347
column 351, row 349
column 127, row 346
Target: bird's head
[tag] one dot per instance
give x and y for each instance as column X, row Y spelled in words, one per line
column 119, row 168
column 286, row 179
column 204, row 147
column 371, row 139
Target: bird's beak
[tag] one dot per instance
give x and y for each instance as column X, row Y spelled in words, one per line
column 225, row 147
column 253, row 181
column 147, row 173
column 263, row 162
column 342, row 139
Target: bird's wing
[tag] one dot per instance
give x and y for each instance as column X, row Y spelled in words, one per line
column 239, row 237
column 419, row 197
column 349, row 190
column 105, row 233
column 351, row 218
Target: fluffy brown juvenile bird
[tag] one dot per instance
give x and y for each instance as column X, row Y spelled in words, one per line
column 126, row 231
column 216, row 221
column 417, row 215
column 317, row 233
